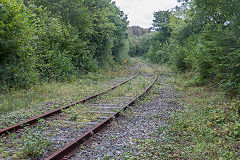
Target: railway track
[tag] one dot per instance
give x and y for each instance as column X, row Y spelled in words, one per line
column 34, row 120
column 82, row 120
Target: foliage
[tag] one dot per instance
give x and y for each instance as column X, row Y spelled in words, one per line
column 100, row 24
column 208, row 128
column 19, row 105
column 204, row 125
column 137, row 31
column 60, row 39
column 34, row 143
column 139, row 45
column 201, row 36
column 16, row 67
column 160, row 39
column 161, row 24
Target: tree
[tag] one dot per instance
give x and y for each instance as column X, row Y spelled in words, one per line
column 44, row 40
column 161, row 24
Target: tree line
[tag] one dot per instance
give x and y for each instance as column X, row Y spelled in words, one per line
column 200, row 36
column 137, row 31
column 139, row 40
column 58, row 39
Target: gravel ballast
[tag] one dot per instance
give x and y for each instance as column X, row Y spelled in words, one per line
column 140, row 122
column 53, row 133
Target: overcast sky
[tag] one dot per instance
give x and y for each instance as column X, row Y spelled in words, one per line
column 140, row 12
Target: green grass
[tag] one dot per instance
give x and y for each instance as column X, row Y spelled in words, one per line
column 206, row 125
column 16, row 106
column 32, row 144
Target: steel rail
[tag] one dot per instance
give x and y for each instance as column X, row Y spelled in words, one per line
column 56, row 111
column 67, row 151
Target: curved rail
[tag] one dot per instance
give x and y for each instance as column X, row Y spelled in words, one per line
column 56, row 111
column 67, row 151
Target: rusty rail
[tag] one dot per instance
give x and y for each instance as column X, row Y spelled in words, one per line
column 56, row 111
column 67, row 151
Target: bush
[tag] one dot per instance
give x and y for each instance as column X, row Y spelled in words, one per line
column 17, row 67
column 203, row 38
column 35, row 46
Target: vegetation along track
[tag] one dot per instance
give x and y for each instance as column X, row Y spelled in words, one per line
column 49, row 135
column 56, row 111
column 102, row 105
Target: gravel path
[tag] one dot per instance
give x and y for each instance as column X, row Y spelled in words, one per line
column 140, row 122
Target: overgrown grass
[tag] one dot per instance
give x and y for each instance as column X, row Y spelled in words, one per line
column 209, row 125
column 23, row 104
column 146, row 67
column 32, row 143
column 206, row 126
column 36, row 141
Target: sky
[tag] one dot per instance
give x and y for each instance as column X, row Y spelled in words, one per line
column 140, row 12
